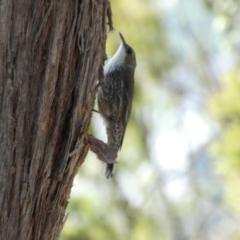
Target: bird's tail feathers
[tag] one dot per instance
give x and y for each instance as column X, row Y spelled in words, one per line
column 109, row 169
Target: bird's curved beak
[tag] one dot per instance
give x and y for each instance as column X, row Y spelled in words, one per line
column 122, row 39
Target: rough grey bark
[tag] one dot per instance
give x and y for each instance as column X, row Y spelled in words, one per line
column 51, row 57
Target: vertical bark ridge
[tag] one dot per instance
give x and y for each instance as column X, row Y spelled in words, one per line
column 51, row 55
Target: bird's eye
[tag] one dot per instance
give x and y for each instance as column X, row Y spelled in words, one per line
column 129, row 51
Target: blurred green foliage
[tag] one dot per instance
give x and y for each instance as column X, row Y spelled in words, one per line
column 225, row 108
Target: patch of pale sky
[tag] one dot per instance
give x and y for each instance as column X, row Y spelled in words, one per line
column 173, row 146
column 220, row 23
column 167, row 4
column 196, row 129
column 177, row 189
column 171, row 149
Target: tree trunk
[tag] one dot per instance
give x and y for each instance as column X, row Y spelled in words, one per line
column 51, row 58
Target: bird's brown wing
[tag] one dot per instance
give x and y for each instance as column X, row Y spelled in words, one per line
column 126, row 104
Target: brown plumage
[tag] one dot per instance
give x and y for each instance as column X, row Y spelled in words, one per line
column 115, row 97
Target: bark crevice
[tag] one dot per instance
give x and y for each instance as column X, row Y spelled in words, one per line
column 51, row 58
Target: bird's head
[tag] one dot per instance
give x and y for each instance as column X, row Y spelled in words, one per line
column 128, row 52
column 124, row 55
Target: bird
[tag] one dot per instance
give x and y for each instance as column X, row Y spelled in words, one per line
column 115, row 96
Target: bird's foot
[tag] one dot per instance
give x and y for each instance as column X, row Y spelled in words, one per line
column 103, row 151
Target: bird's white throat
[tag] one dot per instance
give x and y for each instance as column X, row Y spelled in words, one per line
column 117, row 59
